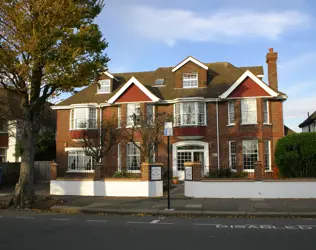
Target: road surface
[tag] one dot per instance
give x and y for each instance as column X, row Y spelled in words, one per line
column 30, row 230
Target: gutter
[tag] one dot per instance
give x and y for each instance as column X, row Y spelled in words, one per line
column 217, row 135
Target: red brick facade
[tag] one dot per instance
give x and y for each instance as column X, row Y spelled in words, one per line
column 215, row 135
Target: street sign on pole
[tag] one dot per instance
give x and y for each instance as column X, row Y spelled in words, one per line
column 168, row 131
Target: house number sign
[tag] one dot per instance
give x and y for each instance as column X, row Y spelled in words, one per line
column 155, row 173
column 188, row 174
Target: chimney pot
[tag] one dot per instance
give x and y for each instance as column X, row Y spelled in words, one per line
column 271, row 50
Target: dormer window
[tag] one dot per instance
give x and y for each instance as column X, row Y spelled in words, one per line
column 190, row 80
column 104, row 86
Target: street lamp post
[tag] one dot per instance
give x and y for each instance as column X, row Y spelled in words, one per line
column 168, row 131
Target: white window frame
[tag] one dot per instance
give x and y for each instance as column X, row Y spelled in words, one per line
column 252, row 110
column 151, row 121
column 231, row 113
column 4, row 155
column 119, row 157
column 187, row 83
column 73, row 123
column 269, row 155
column 196, row 114
column 232, row 154
column 243, row 163
column 266, row 112
column 78, row 170
column 104, row 86
column 119, row 116
column 132, row 155
column 129, row 119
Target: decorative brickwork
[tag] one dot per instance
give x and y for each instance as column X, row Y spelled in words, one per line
column 258, row 171
column 53, row 170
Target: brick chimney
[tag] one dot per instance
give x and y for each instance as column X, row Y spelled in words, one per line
column 271, row 60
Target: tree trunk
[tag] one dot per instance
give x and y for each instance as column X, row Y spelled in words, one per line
column 24, row 194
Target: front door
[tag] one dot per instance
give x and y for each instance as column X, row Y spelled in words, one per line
column 188, row 154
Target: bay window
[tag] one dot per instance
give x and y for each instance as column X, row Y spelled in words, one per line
column 133, row 157
column 133, row 114
column 83, row 118
column 79, row 161
column 190, row 80
column 250, row 153
column 190, row 114
column 249, row 111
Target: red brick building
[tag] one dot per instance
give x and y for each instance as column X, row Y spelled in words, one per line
column 223, row 115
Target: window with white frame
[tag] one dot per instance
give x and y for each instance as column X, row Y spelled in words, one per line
column 133, row 157
column 266, row 111
column 133, row 114
column 79, row 161
column 104, row 86
column 119, row 117
column 232, row 155
column 3, row 126
column 190, row 80
column 250, row 153
column 231, row 112
column 267, row 155
column 150, row 113
column 83, row 118
column 249, row 111
column 2, row 155
column 119, row 158
column 190, row 113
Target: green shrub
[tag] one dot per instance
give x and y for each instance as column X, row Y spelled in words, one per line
column 295, row 155
column 226, row 173
column 124, row 174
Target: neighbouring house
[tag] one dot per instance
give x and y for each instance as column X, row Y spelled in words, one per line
column 309, row 125
column 10, row 125
column 224, row 115
column 288, row 131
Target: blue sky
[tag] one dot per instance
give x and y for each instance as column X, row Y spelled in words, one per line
column 144, row 35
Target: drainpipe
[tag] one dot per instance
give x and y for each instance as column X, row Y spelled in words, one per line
column 100, row 127
column 309, row 125
column 217, row 135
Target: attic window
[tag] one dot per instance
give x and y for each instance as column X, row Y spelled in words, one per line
column 104, row 86
column 190, row 80
column 160, row 82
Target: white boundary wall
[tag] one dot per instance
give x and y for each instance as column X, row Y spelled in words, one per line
column 107, row 188
column 250, row 189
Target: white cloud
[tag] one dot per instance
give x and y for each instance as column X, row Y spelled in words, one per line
column 172, row 25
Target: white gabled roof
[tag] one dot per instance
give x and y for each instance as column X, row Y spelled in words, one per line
column 131, row 81
column 107, row 73
column 189, row 59
column 255, row 79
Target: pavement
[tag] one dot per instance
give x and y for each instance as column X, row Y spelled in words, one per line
column 30, row 230
column 181, row 205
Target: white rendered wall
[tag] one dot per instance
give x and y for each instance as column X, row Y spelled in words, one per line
column 251, row 189
column 107, row 188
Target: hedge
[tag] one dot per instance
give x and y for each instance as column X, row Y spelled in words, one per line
column 295, row 155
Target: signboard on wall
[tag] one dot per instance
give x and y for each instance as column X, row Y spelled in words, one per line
column 188, row 174
column 155, row 173
column 168, row 130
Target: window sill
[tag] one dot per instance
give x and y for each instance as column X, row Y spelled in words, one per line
column 267, row 124
column 80, row 171
column 1, row 132
column 231, row 125
column 245, row 124
column 133, row 171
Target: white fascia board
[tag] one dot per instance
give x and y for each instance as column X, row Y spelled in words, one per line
column 75, row 149
column 255, row 79
column 109, row 75
column 190, row 99
column 131, row 81
column 189, row 59
column 60, row 107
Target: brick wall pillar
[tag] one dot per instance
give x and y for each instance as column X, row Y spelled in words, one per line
column 98, row 171
column 258, row 171
column 146, row 171
column 53, row 170
column 196, row 170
